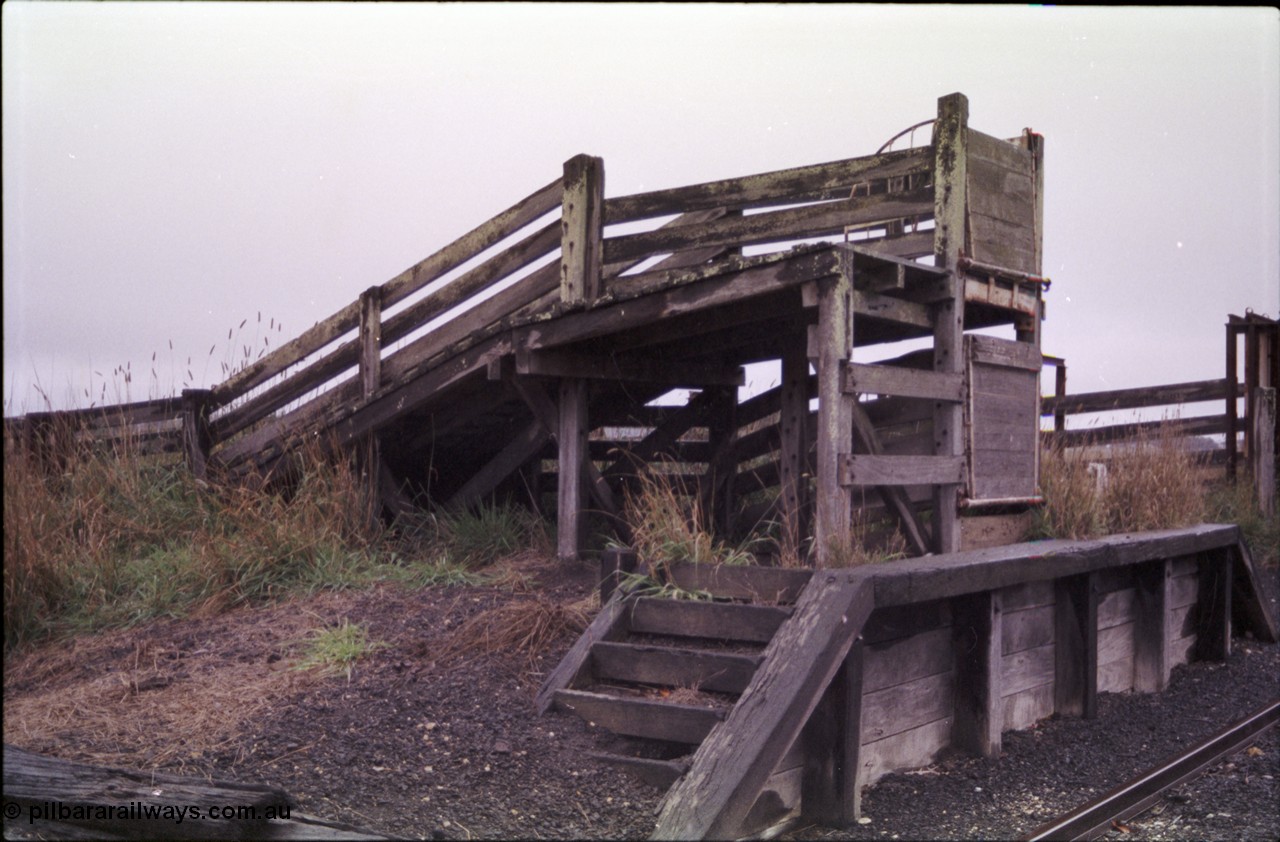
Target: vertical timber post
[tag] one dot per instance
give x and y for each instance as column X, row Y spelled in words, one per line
column 582, row 229
column 581, row 255
column 572, row 441
column 1262, row 454
column 196, row 437
column 830, row 344
column 949, row 206
column 1060, row 392
column 793, row 429
column 370, row 379
column 976, row 634
column 1075, row 623
column 1151, row 633
column 1233, row 405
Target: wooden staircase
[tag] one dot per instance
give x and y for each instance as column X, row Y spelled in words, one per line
column 668, row 671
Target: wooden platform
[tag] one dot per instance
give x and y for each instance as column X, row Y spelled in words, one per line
column 811, row 685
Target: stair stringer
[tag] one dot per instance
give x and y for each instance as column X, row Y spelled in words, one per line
column 732, row 765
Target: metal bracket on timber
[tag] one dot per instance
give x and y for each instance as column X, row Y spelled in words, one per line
column 732, row 764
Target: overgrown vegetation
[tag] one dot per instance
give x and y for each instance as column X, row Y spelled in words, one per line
column 1148, row 482
column 111, row 538
column 668, row 525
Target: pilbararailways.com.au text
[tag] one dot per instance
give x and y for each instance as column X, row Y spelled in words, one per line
column 141, row 811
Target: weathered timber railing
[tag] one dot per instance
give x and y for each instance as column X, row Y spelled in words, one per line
column 143, row 427
column 1172, row 397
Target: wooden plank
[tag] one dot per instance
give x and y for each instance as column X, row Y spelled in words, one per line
column 1076, row 645
column 893, row 623
column 905, row 706
column 1027, row 668
column 1026, row 707
column 831, row 739
column 950, row 133
column 975, row 637
column 918, row 579
column 815, row 182
column 776, row 585
column 906, row 659
column 1001, row 193
column 1003, row 244
column 903, row 382
column 866, row 469
column 34, row 780
column 651, row 308
column 773, row 226
column 670, row 667
column 1027, row 629
column 518, row 451
column 714, row 620
column 1213, row 614
column 895, row 497
column 681, row 260
column 1183, row 590
column 1115, row 645
column 794, row 440
column 829, row 353
column 618, row 368
column 1151, row 639
column 582, row 229
column 609, row 624
column 999, row 152
column 1248, row 602
column 511, row 220
column 1115, row 676
column 571, row 437
column 896, row 311
column 641, row 717
column 731, row 766
column 909, row 750
column 1028, row 595
column 659, row 774
column 1176, row 393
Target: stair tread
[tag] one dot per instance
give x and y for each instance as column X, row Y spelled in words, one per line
column 699, row 619
column 669, row 666
column 642, row 717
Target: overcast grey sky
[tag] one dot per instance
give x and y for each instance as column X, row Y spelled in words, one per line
column 172, row 170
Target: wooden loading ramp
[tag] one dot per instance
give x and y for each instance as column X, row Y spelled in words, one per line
column 800, row 672
column 523, row 361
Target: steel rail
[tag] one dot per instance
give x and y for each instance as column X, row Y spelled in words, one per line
column 1091, row 820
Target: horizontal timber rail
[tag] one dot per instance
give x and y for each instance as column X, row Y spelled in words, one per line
column 1129, row 799
column 1173, row 397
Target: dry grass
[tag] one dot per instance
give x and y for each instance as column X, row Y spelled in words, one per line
column 526, row 628
column 668, row 526
column 1149, row 482
column 120, row 699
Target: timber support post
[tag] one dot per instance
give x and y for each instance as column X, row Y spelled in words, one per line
column 1262, row 453
column 830, row 344
column 370, row 368
column 582, row 229
column 572, row 441
column 793, row 429
column 197, row 439
column 950, row 186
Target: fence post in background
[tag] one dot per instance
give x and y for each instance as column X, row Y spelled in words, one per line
column 1233, row 388
column 196, row 436
column 370, row 379
column 582, row 229
column 1060, row 391
column 1262, row 453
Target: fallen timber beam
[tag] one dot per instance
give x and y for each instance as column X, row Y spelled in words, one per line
column 731, row 766
column 97, row 802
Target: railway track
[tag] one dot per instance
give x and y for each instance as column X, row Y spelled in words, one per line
column 1091, row 820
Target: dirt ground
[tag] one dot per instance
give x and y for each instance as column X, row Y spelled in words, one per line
column 425, row 741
